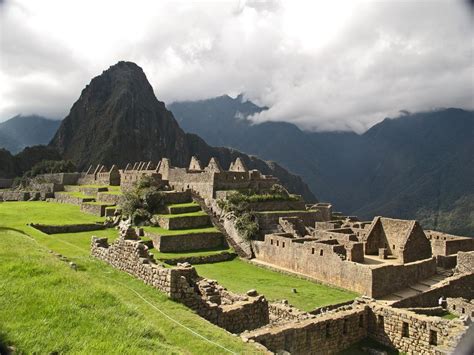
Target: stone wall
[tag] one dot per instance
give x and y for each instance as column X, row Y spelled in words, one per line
column 186, row 242
column 323, row 262
column 447, row 244
column 336, row 330
column 270, row 221
column 465, row 262
column 325, row 334
column 390, row 278
column 186, row 222
column 94, row 208
column 206, row 259
column 73, row 200
column 68, row 228
column 460, row 306
column 461, row 285
column 173, row 197
column 232, row 312
column 60, row 178
column 15, row 195
column 403, row 239
column 109, row 198
column 413, row 333
column 329, row 262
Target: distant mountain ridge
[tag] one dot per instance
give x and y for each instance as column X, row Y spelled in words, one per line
column 117, row 120
column 415, row 166
column 20, row 132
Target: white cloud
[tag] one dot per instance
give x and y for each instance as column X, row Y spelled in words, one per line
column 320, row 64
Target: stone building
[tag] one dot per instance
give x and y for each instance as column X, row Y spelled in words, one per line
column 376, row 260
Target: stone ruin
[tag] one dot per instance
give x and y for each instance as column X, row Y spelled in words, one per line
column 406, row 268
column 232, row 312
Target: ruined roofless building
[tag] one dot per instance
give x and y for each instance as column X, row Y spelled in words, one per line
column 391, row 255
column 206, row 181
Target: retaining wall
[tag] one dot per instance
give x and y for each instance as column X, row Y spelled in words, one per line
column 231, row 312
column 186, row 242
column 68, row 228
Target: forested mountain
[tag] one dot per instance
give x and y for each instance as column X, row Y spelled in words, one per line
column 417, row 165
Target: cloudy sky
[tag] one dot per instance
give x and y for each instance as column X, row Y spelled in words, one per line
column 323, row 65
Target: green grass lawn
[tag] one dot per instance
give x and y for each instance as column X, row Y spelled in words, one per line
column 18, row 214
column 162, row 231
column 47, row 307
column 190, row 214
column 76, row 194
column 239, row 276
column 449, row 315
column 187, row 204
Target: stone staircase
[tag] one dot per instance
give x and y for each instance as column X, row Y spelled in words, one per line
column 418, row 287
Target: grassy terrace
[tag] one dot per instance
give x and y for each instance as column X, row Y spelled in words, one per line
column 162, row 231
column 76, row 194
column 187, row 204
column 207, row 252
column 274, row 285
column 190, row 214
column 47, row 307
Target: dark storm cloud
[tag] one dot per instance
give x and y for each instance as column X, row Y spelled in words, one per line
column 322, row 65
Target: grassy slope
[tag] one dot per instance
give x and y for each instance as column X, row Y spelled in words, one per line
column 274, row 285
column 45, row 306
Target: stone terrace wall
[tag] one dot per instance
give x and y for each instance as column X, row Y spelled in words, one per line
column 390, row 278
column 185, row 242
column 68, row 228
column 14, row 195
column 413, row 333
column 181, row 284
column 460, row 306
column 170, row 222
column 326, row 334
column 465, row 262
column 456, row 286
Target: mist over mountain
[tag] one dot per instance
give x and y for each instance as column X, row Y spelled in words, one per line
column 117, row 120
column 24, row 131
column 418, row 165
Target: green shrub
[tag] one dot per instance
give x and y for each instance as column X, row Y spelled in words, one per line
column 142, row 201
column 247, row 225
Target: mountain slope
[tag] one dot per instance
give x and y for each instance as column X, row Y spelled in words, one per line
column 117, row 120
column 415, row 166
column 25, row 131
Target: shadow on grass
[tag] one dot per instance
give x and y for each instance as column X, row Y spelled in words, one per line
column 5, row 349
